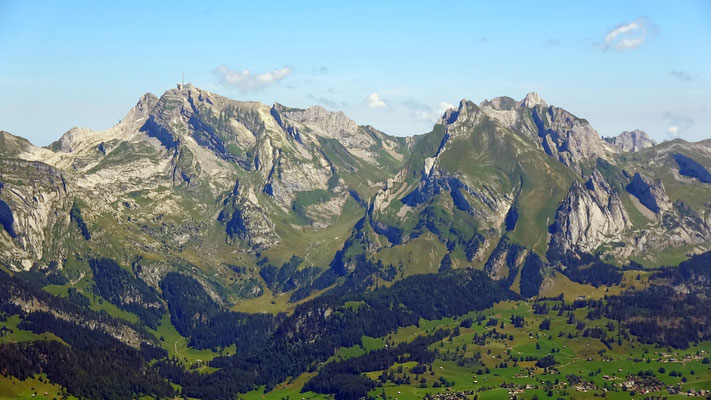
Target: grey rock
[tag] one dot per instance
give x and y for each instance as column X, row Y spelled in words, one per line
column 161, row 178
column 631, row 141
column 568, row 138
column 560, row 134
column 503, row 103
column 244, row 218
column 532, row 100
column 323, row 123
column 591, row 214
column 650, row 193
column 39, row 210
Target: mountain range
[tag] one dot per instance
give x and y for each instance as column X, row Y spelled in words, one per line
column 266, row 238
column 196, row 182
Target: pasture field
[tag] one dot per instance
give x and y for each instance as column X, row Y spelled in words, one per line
column 491, row 361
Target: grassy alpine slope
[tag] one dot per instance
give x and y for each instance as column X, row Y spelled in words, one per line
column 492, row 352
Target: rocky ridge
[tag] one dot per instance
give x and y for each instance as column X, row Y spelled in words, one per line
column 631, row 141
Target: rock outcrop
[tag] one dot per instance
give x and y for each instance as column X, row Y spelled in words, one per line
column 318, row 121
column 631, row 141
column 569, row 139
column 650, row 193
column 34, row 207
column 244, row 218
column 590, row 215
column 532, row 100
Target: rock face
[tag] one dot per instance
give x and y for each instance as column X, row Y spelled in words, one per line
column 590, row 215
column 569, row 139
column 532, row 100
column 505, row 261
column 316, row 120
column 650, row 193
column 31, row 213
column 500, row 175
column 631, row 141
column 245, row 218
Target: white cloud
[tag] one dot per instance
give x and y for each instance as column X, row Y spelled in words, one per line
column 419, row 110
column 628, row 36
column 677, row 124
column 444, row 106
column 245, row 81
column 424, row 112
column 374, row 101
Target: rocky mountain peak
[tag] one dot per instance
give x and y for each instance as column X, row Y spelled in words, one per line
column 211, row 120
column 187, row 99
column 631, row 141
column 71, row 140
column 532, row 100
column 142, row 109
column 598, row 186
column 78, row 138
column 465, row 110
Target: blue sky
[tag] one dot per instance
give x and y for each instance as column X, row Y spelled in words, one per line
column 620, row 65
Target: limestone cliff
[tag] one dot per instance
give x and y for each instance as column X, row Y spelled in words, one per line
column 591, row 215
column 631, row 141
